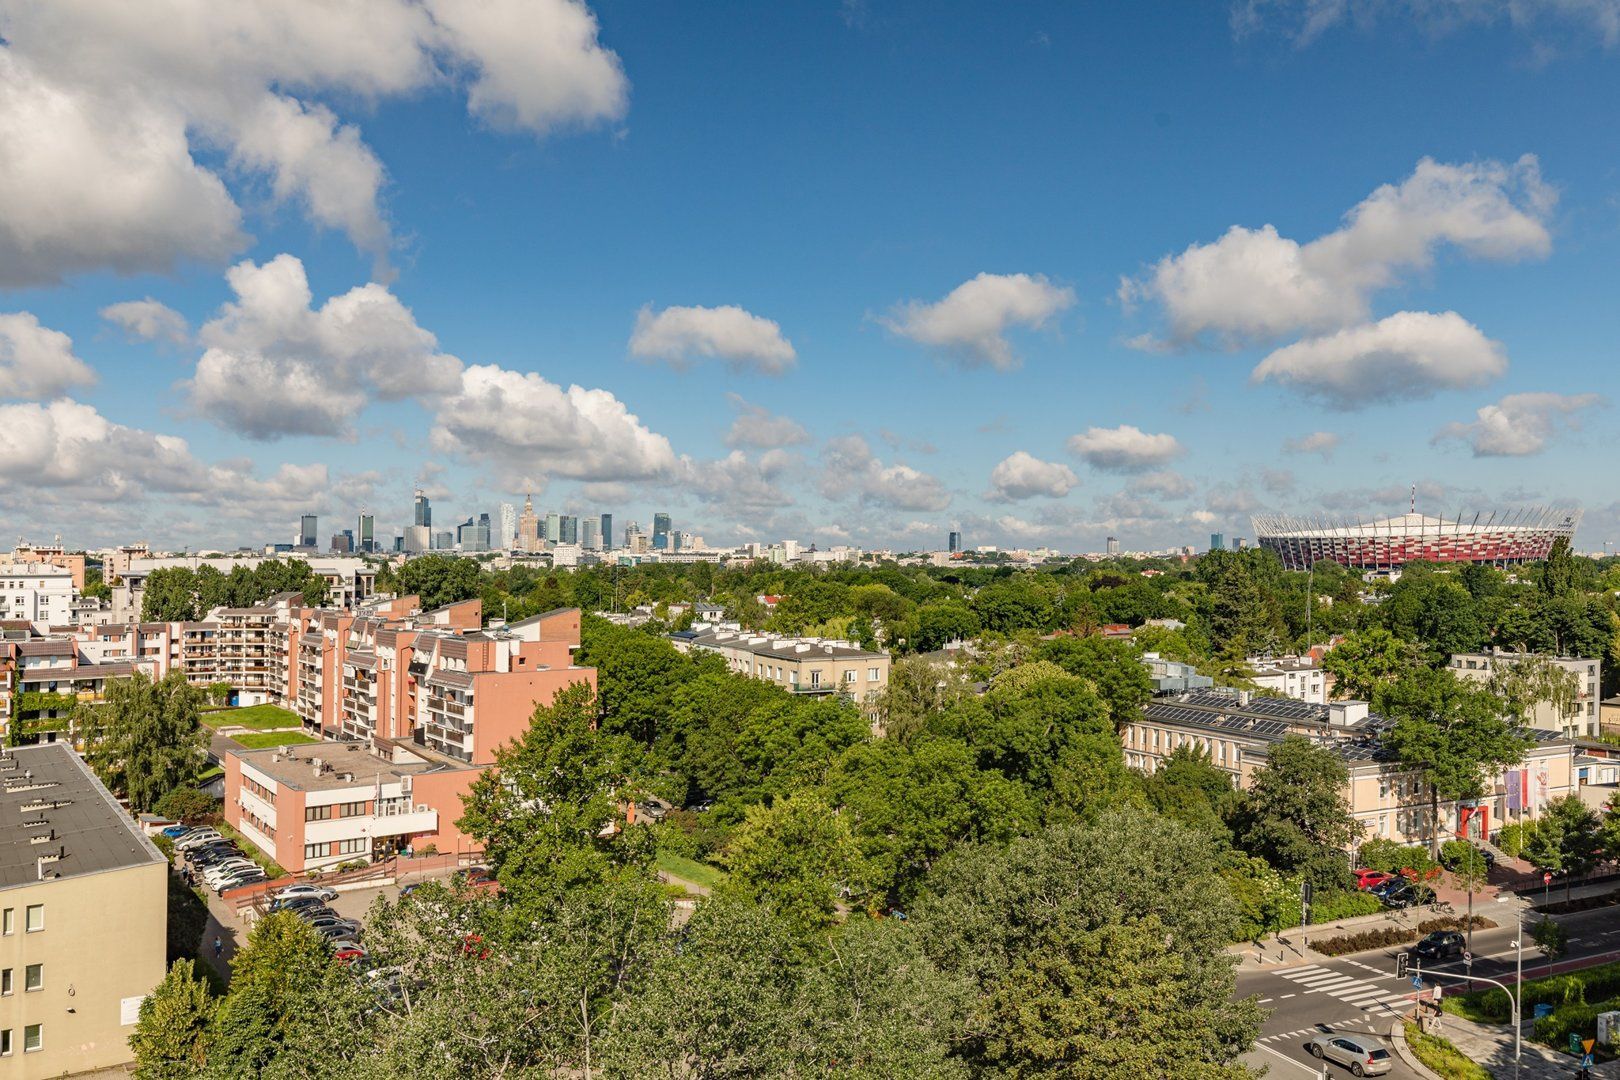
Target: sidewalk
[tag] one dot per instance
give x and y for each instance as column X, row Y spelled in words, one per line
column 1491, row 1045
column 1283, row 949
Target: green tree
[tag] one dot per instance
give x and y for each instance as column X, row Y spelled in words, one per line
column 1366, row 661
column 1188, row 787
column 170, row 1040
column 1021, row 921
column 1452, row 735
column 169, row 595
column 1524, row 682
column 941, row 623
column 146, row 738
column 548, row 815
column 1113, row 668
column 918, row 689
column 798, row 858
column 1566, row 839
column 187, row 804
column 1297, row 817
column 439, row 579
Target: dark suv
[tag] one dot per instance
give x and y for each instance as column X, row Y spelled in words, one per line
column 1440, row 945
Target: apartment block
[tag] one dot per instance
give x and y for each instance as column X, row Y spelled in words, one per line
column 807, row 665
column 1297, row 677
column 39, row 593
column 83, row 917
column 1580, row 720
column 1237, row 729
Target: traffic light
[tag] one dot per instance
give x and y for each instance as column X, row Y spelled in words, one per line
column 1400, row 965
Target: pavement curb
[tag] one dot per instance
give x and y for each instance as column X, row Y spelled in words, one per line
column 1397, row 1038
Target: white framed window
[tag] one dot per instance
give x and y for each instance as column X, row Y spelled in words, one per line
column 871, row 674
column 8, row 922
column 33, row 978
column 34, row 918
column 314, row 851
column 5, row 983
column 33, row 1038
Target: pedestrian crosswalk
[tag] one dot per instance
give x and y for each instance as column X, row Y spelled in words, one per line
column 1365, row 994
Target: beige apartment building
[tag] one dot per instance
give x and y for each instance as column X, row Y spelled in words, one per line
column 800, row 665
column 1238, row 729
column 1580, row 721
column 83, row 910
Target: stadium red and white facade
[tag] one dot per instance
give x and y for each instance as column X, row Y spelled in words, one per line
column 1495, row 538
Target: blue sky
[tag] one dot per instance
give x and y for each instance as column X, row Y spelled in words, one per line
column 958, row 264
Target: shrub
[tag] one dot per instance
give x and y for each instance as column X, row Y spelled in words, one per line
column 1442, row 1057
column 1510, row 838
column 165, row 845
column 1448, row 922
column 187, row 804
column 1392, row 858
column 1380, row 938
column 1551, row 938
column 1596, row 984
column 428, row 849
column 1343, row 904
column 1554, row 1030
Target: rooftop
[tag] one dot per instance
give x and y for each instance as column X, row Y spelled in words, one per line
column 48, row 791
column 343, row 765
column 775, row 646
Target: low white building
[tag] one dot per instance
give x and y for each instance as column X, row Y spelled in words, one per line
column 39, row 593
column 1298, row 677
column 1582, row 718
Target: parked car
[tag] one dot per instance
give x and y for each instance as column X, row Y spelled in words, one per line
column 348, row 927
column 1385, row 887
column 1363, row 1055
column 298, row 904
column 1451, row 862
column 228, row 868
column 340, row 931
column 475, row 875
column 175, row 832
column 242, row 875
column 1371, row 879
column 1408, row 895
column 197, row 839
column 348, row 951
column 214, row 856
column 1440, row 945
column 315, row 911
column 294, row 892
column 211, row 850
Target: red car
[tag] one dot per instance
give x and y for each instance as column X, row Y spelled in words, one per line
column 1371, row 879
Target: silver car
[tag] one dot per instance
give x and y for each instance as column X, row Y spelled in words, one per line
column 1363, row 1055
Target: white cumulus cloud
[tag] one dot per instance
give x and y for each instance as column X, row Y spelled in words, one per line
column 276, row 365
column 148, row 320
column 1124, row 448
column 1519, row 424
column 104, row 105
column 36, row 361
column 1023, row 476
column 757, row 427
column 853, row 471
column 518, row 420
column 1411, row 354
column 680, row 335
column 1255, row 285
column 1317, row 442
column 972, row 321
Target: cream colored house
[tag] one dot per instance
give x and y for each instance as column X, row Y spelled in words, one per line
column 83, row 910
column 1581, row 719
column 1238, row 729
column 800, row 665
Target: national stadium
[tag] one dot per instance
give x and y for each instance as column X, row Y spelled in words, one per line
column 1494, row 538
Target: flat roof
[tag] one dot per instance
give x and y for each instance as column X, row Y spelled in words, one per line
column 293, row 767
column 91, row 831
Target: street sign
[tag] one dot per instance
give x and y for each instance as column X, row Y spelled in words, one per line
column 1587, row 1044
column 1417, row 981
column 1546, row 879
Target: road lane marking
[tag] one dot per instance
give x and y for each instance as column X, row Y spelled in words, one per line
column 1300, row 1065
column 1263, row 1001
column 1285, row 997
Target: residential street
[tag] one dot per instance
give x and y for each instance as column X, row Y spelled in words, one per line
column 1361, row 993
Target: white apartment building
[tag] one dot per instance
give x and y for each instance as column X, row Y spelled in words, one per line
column 1298, row 677
column 800, row 665
column 38, row 593
column 1580, row 721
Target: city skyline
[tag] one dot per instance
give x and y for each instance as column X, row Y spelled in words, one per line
column 1101, row 320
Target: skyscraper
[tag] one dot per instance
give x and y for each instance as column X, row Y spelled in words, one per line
column 554, row 527
column 306, row 531
column 1113, row 546
column 424, row 511
column 607, row 530
column 506, row 538
column 1217, row 541
column 528, row 528
column 955, row 542
column 365, row 535
column 589, row 534
column 660, row 536
column 568, row 529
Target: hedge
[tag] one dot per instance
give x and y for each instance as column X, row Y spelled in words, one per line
column 1595, row 984
column 1383, row 937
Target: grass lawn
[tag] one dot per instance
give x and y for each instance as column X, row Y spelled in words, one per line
column 1442, row 1057
column 271, row 867
column 257, row 717
column 262, row 740
column 210, row 774
column 700, row 873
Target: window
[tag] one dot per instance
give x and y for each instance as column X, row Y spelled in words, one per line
column 314, row 851
column 34, row 977
column 8, row 921
column 353, row 847
column 871, row 674
column 33, row 1038
column 317, row 813
column 351, row 809
column 5, row 982
column 849, row 674
column 5, row 1042
column 34, row 919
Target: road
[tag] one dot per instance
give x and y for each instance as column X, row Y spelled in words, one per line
column 1360, row 993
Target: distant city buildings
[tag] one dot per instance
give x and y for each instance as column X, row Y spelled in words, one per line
column 1494, row 538
column 1113, row 546
column 807, row 665
column 1217, row 541
column 955, row 542
column 660, row 533
column 307, row 531
column 506, row 537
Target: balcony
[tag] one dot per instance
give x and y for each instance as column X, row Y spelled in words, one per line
column 418, row 819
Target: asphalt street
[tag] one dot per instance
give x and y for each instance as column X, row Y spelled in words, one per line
column 1360, row 993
